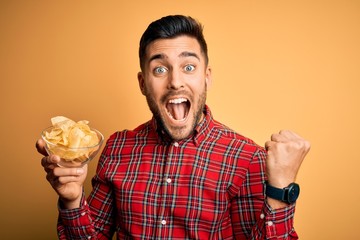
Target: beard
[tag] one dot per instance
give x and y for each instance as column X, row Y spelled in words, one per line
column 177, row 133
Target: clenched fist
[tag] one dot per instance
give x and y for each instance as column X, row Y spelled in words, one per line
column 285, row 152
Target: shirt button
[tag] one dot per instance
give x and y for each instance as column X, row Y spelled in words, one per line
column 270, row 223
column 83, row 214
column 262, row 216
column 168, row 180
column 176, row 144
column 163, row 222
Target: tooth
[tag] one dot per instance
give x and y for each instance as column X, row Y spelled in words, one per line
column 177, row 100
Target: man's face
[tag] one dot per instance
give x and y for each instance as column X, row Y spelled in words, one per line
column 174, row 80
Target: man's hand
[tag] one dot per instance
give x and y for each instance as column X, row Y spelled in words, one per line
column 67, row 182
column 286, row 151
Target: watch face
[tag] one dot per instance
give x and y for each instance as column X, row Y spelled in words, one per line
column 294, row 191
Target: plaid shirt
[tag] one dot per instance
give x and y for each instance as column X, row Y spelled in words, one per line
column 209, row 186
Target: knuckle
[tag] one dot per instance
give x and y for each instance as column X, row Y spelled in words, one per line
column 44, row 161
column 300, row 145
column 304, row 144
column 274, row 136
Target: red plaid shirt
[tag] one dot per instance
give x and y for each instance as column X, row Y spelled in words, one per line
column 209, row 186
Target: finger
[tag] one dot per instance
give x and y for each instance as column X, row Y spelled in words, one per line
column 52, row 159
column 67, row 179
column 269, row 145
column 58, row 182
column 40, row 146
column 58, row 175
column 284, row 136
column 289, row 134
column 277, row 137
column 50, row 162
column 66, row 172
column 300, row 142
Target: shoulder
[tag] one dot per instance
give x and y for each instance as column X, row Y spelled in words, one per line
column 142, row 130
column 242, row 156
column 230, row 137
column 129, row 138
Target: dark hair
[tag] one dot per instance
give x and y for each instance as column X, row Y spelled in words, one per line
column 171, row 27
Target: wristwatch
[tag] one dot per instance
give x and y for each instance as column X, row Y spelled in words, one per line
column 288, row 194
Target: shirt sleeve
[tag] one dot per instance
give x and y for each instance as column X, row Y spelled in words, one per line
column 252, row 217
column 275, row 224
column 75, row 223
column 94, row 219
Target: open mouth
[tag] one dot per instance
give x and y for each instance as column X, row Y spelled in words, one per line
column 178, row 108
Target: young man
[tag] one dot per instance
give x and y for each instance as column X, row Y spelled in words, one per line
column 181, row 175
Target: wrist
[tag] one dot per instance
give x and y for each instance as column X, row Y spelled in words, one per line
column 70, row 204
column 280, row 182
column 276, row 204
column 280, row 197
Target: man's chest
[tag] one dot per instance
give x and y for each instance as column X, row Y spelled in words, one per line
column 175, row 180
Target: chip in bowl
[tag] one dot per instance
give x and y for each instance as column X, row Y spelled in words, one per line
column 74, row 142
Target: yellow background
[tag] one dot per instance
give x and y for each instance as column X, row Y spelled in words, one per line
column 276, row 64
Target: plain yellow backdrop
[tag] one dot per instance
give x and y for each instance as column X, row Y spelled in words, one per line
column 276, row 65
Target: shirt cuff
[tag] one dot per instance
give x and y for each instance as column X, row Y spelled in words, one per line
column 279, row 223
column 76, row 223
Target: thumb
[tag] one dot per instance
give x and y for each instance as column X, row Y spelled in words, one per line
column 40, row 146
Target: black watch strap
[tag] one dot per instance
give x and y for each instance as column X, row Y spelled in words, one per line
column 288, row 194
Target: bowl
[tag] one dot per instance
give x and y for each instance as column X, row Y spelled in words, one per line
column 72, row 156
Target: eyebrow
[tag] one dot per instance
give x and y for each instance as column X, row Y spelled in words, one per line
column 189, row 54
column 183, row 55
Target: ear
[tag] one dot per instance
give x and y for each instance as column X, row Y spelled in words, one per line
column 141, row 82
column 208, row 77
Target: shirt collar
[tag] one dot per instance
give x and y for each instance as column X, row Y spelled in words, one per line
column 200, row 131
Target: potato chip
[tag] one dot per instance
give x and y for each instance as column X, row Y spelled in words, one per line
column 73, row 140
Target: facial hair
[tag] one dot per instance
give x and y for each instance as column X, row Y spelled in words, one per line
column 175, row 133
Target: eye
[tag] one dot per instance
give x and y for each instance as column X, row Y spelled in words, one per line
column 189, row 68
column 160, row 70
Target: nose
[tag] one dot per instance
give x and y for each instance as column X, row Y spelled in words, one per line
column 175, row 80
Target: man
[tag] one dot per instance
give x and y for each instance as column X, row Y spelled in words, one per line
column 181, row 175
